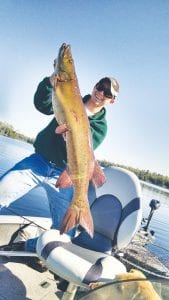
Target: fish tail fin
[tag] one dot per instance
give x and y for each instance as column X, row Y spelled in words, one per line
column 76, row 216
column 98, row 176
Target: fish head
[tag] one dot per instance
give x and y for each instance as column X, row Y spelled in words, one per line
column 64, row 68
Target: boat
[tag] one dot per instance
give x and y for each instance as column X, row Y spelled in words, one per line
column 72, row 265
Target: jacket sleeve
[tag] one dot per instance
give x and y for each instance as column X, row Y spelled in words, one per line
column 43, row 97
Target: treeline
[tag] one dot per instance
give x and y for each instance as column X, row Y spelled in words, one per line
column 8, row 130
column 145, row 175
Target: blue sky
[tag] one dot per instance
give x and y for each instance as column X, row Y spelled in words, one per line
column 128, row 40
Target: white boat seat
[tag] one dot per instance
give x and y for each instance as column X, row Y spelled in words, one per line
column 116, row 212
column 74, row 263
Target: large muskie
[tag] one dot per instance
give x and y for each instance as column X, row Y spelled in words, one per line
column 73, row 122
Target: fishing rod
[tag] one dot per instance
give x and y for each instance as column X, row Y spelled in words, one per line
column 15, row 234
column 25, row 218
column 151, row 275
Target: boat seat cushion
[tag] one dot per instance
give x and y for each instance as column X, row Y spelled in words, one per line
column 73, row 263
column 98, row 243
column 106, row 212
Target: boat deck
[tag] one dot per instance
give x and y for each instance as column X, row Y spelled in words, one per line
column 19, row 281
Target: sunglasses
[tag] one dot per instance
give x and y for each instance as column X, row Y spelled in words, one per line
column 106, row 91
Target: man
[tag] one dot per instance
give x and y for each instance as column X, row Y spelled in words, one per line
column 49, row 160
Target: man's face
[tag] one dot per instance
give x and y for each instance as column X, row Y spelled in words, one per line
column 100, row 99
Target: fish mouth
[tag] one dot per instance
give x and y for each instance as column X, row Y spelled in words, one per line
column 65, row 65
column 64, row 50
column 63, row 56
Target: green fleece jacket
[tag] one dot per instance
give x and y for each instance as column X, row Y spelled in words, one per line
column 51, row 145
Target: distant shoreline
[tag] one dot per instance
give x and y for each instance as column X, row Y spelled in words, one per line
column 154, row 186
column 144, row 175
column 8, row 131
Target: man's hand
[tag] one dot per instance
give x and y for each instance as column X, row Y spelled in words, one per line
column 62, row 129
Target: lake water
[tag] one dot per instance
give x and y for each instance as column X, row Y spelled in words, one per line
column 160, row 220
column 12, row 151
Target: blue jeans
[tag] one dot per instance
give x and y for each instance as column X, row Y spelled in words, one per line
column 29, row 173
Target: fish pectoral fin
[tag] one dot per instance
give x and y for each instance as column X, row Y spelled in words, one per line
column 64, row 180
column 61, row 129
column 76, row 216
column 98, row 177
